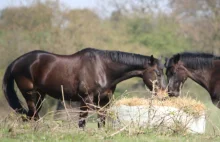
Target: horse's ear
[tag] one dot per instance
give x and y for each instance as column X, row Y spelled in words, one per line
column 166, row 62
column 152, row 60
column 176, row 58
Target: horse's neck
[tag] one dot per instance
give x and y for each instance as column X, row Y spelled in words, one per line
column 127, row 72
column 123, row 69
column 202, row 77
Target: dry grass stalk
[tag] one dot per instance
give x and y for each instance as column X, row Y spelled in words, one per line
column 64, row 102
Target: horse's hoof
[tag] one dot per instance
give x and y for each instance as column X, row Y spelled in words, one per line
column 81, row 124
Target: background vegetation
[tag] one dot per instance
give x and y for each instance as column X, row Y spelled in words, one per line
column 156, row 27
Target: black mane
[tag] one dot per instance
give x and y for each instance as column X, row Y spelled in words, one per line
column 195, row 60
column 123, row 57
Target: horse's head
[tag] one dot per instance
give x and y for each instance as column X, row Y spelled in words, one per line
column 153, row 75
column 176, row 75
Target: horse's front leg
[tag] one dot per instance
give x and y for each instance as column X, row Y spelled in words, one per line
column 102, row 113
column 216, row 99
column 215, row 95
column 103, row 104
column 86, row 104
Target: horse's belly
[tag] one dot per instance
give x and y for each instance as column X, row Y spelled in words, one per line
column 65, row 95
column 56, row 91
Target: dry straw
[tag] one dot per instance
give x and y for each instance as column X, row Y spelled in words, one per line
column 186, row 104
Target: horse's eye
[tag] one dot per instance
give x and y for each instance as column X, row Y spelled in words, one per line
column 170, row 73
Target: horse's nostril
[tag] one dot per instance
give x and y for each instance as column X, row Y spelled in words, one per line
column 171, row 94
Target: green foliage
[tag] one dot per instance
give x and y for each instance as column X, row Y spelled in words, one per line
column 35, row 17
column 160, row 34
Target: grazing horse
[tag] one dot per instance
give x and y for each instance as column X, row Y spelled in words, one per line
column 203, row 68
column 89, row 76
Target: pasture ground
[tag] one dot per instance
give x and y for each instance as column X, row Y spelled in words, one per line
column 12, row 129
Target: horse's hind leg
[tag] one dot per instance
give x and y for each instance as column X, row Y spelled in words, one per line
column 30, row 100
column 33, row 99
column 39, row 101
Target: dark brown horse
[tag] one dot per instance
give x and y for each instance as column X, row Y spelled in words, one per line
column 89, row 76
column 201, row 67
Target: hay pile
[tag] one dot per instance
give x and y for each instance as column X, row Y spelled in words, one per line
column 186, row 104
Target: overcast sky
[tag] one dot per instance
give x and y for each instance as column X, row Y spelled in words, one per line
column 69, row 3
column 95, row 5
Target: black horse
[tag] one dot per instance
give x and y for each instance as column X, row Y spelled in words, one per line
column 203, row 68
column 89, row 76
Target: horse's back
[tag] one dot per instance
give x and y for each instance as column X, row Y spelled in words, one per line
column 48, row 71
column 24, row 62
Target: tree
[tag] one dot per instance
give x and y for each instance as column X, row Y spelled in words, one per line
column 200, row 22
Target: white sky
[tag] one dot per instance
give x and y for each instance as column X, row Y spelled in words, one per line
column 69, row 3
column 95, row 5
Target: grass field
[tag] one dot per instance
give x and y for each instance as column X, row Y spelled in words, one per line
column 51, row 131
column 13, row 129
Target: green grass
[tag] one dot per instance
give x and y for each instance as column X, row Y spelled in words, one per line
column 97, row 135
column 12, row 129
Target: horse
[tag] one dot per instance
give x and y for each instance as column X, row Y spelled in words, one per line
column 88, row 76
column 202, row 68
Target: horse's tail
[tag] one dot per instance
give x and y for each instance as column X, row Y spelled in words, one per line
column 9, row 92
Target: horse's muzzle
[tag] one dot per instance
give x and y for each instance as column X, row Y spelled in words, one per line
column 173, row 94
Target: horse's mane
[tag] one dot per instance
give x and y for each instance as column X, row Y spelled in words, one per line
column 122, row 57
column 195, row 60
